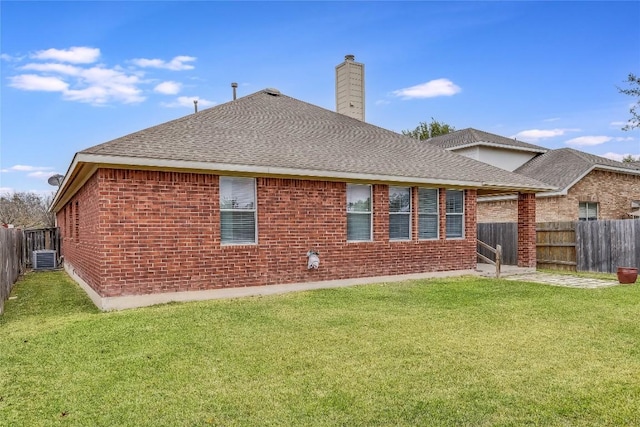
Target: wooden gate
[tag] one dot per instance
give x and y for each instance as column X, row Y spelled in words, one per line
column 42, row 238
column 556, row 245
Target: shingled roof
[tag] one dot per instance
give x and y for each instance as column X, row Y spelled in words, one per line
column 471, row 137
column 564, row 167
column 268, row 133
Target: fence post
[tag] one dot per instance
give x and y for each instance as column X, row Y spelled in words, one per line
column 498, row 260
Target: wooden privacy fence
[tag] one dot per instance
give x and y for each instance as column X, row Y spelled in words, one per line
column 11, row 261
column 600, row 246
column 41, row 238
column 504, row 234
column 556, row 245
column 605, row 245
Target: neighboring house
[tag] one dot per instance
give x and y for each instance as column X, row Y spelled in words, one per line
column 589, row 187
column 238, row 194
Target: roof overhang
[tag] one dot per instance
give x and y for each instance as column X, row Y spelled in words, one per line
column 494, row 145
column 84, row 165
column 564, row 191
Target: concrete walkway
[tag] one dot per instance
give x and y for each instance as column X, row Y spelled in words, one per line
column 510, row 272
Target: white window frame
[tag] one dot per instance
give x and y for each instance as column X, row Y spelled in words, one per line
column 452, row 214
column 370, row 212
column 254, row 210
column 407, row 213
column 587, row 206
column 437, row 213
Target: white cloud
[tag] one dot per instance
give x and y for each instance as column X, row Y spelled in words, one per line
column 431, row 89
column 66, row 71
column 589, row 141
column 10, row 58
column 27, row 168
column 616, row 124
column 38, row 83
column 96, row 85
column 553, row 119
column 6, row 191
column 75, row 55
column 536, row 134
column 49, row 67
column 618, row 157
column 620, row 138
column 187, row 101
column 44, row 175
column 382, row 102
column 176, row 64
column 168, row 88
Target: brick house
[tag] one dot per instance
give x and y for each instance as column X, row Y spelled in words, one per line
column 588, row 187
column 236, row 195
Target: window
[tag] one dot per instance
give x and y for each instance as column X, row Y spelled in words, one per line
column 588, row 211
column 237, row 210
column 70, row 206
column 399, row 213
column 77, row 212
column 428, row 223
column 359, row 212
column 455, row 213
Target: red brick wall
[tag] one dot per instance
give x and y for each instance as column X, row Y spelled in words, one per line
column 160, row 232
column 527, row 230
column 81, row 237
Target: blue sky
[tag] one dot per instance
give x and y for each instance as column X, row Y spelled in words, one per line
column 76, row 74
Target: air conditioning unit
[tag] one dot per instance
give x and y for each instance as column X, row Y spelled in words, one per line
column 44, row 259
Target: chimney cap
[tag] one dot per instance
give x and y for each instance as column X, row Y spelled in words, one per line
column 234, row 84
column 349, row 57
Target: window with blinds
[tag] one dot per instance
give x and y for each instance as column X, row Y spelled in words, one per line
column 588, row 211
column 428, row 214
column 455, row 213
column 359, row 213
column 237, row 210
column 399, row 213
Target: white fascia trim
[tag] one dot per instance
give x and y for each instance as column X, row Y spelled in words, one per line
column 487, row 199
column 65, row 182
column 268, row 170
column 492, row 144
column 619, row 170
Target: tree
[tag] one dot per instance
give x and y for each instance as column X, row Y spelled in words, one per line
column 429, row 130
column 27, row 210
column 629, row 158
column 634, row 91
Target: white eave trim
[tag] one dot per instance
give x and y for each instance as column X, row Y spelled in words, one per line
column 98, row 160
column 494, row 145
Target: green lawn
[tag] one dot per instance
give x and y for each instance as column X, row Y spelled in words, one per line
column 460, row 352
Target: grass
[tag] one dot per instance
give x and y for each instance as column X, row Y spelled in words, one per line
column 461, row 352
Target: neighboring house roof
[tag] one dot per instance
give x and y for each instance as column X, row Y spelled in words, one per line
column 472, row 137
column 635, row 164
column 564, row 167
column 269, row 133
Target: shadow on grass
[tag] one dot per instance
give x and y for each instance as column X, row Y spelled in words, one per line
column 45, row 294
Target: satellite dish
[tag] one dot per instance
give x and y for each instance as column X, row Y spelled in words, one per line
column 56, row 180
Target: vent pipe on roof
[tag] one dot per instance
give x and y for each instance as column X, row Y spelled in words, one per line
column 234, row 85
column 195, row 105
